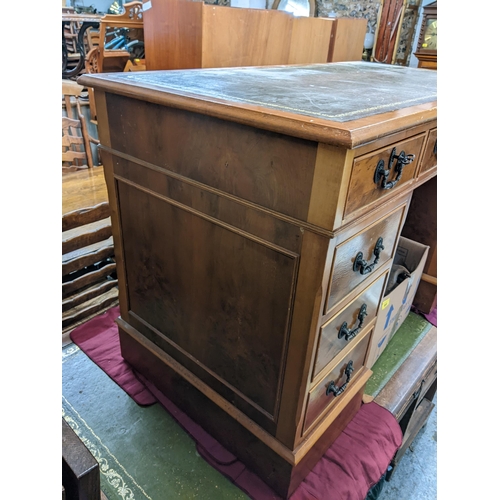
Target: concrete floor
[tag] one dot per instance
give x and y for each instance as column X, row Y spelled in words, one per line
column 416, row 475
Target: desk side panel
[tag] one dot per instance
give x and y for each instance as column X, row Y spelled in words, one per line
column 271, row 170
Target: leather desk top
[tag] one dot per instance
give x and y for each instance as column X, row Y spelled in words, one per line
column 344, row 96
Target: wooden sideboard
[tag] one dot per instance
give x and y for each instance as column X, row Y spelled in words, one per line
column 255, row 215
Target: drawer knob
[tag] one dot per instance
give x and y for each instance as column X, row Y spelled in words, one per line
column 350, row 334
column 361, row 265
column 336, row 391
column 381, row 175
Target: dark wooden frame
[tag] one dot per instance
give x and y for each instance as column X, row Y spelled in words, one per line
column 80, row 470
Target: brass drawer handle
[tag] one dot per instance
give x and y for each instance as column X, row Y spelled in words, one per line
column 362, row 265
column 382, row 175
column 336, row 391
column 350, row 334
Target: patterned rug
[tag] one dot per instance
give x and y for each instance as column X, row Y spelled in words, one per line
column 139, row 458
column 143, row 454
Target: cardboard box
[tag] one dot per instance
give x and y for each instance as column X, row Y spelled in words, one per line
column 396, row 303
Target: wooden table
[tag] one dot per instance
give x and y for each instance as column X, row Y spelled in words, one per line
column 255, row 214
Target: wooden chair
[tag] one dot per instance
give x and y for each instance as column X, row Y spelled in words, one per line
column 89, row 283
column 135, row 65
column 115, row 60
column 74, row 155
column 101, row 60
column 76, row 140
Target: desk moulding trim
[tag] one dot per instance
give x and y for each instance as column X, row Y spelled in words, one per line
column 205, row 187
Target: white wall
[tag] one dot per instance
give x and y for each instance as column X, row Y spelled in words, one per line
column 103, row 5
column 100, row 5
column 249, row 4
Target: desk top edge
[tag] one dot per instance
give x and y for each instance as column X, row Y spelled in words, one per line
column 237, row 103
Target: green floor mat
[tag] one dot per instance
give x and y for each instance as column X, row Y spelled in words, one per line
column 406, row 338
column 143, row 454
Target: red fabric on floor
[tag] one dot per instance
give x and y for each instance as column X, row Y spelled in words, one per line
column 356, row 460
column 347, row 471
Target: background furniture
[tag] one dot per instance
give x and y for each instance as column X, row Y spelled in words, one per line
column 409, row 393
column 101, row 59
column 390, row 17
column 253, row 222
column 427, row 41
column 110, row 60
column 78, row 38
column 422, row 227
column 89, row 285
column 80, row 470
column 76, row 139
column 74, row 153
column 395, row 31
column 180, row 34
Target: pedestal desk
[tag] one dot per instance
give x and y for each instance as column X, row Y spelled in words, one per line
column 255, row 214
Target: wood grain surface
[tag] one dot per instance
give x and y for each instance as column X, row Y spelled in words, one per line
column 83, row 189
column 239, row 200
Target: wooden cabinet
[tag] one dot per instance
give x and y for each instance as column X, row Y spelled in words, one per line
column 182, row 34
column 255, row 214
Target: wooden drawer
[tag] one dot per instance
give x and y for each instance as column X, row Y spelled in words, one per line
column 368, row 185
column 343, row 328
column 427, row 380
column 356, row 257
column 322, row 397
column 429, row 158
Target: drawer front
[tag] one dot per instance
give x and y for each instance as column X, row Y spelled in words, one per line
column 364, row 253
column 429, row 158
column 417, row 392
column 368, row 183
column 326, row 393
column 343, row 328
column 425, row 383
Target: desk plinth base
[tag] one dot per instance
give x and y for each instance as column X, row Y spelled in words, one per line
column 276, row 471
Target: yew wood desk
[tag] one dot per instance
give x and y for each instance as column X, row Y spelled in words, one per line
column 255, row 214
